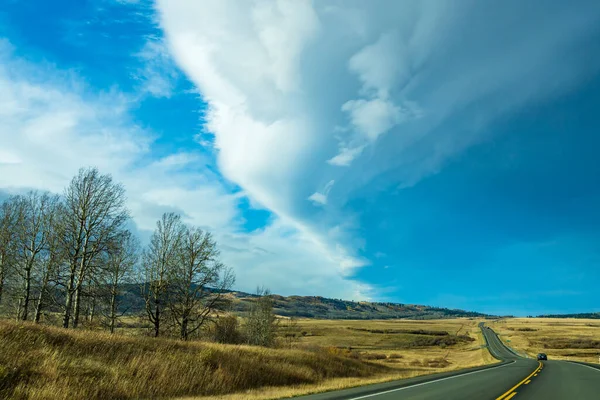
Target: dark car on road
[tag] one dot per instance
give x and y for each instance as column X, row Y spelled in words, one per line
column 542, row 356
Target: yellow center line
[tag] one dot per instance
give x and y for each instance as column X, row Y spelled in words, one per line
column 510, row 393
column 511, row 396
column 527, row 383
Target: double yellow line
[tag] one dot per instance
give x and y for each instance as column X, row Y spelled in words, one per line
column 511, row 393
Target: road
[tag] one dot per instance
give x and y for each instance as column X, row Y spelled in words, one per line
column 515, row 378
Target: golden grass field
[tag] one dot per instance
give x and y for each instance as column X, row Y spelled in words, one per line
column 560, row 338
column 42, row 362
column 388, row 350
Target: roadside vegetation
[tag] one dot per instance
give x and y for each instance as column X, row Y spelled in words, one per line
column 560, row 338
column 40, row 362
column 44, row 362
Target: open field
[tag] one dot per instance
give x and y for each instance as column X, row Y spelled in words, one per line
column 421, row 345
column 560, row 338
column 396, row 344
column 40, row 362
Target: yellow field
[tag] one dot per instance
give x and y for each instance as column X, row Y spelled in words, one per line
column 561, row 339
column 41, row 362
column 386, row 349
column 397, row 347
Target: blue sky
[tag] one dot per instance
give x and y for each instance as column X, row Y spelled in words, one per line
column 436, row 153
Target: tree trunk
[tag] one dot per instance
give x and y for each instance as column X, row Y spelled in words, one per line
column 69, row 301
column 2, row 277
column 157, row 320
column 38, row 307
column 113, row 310
column 2, row 273
column 79, row 286
column 26, row 295
column 77, row 306
column 92, row 310
column 184, row 328
column 40, row 303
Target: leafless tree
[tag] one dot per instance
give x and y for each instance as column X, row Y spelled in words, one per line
column 8, row 220
column 118, row 266
column 94, row 214
column 32, row 231
column 51, row 258
column 261, row 325
column 197, row 281
column 159, row 259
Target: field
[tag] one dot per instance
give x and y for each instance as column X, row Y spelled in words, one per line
column 560, row 338
column 40, row 362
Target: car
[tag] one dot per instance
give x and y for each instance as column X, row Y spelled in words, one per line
column 542, row 356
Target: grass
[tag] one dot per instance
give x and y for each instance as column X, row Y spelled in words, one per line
column 39, row 362
column 42, row 362
column 560, row 338
column 458, row 341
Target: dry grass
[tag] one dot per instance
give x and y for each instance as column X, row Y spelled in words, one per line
column 395, row 342
column 392, row 349
column 562, row 339
column 39, row 362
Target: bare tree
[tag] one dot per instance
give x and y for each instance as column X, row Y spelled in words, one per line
column 8, row 221
column 261, row 325
column 52, row 258
column 197, row 281
column 158, row 260
column 94, row 214
column 32, row 230
column 118, row 266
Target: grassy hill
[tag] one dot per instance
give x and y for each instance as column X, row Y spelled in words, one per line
column 319, row 307
column 324, row 308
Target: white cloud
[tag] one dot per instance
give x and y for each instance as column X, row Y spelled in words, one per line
column 296, row 89
column 158, row 74
column 346, row 155
column 53, row 124
column 320, row 198
column 373, row 117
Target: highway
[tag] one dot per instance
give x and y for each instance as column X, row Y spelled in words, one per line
column 515, row 378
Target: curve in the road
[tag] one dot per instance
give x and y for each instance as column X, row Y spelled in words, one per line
column 514, row 376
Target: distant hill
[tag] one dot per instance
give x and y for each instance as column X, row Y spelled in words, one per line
column 579, row 315
column 319, row 307
column 324, row 308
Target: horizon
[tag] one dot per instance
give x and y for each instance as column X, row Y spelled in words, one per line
column 434, row 154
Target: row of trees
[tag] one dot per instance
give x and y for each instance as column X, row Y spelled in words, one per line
column 72, row 254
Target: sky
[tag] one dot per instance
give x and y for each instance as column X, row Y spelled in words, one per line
column 426, row 152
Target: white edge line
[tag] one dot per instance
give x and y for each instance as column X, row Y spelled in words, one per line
column 584, row 365
column 427, row 383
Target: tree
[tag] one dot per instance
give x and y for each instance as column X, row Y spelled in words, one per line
column 198, row 281
column 158, row 260
column 8, row 220
column 226, row 330
column 262, row 323
column 51, row 258
column 94, row 215
column 32, row 231
column 118, row 265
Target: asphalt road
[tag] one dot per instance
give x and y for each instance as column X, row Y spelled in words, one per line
column 516, row 378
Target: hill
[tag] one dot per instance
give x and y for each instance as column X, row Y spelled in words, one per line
column 318, row 307
column 324, row 308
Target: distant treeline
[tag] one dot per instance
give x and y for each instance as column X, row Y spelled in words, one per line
column 579, row 315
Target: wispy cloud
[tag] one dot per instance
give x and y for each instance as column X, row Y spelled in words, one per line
column 157, row 74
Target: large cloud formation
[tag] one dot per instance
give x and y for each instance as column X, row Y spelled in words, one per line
column 311, row 101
